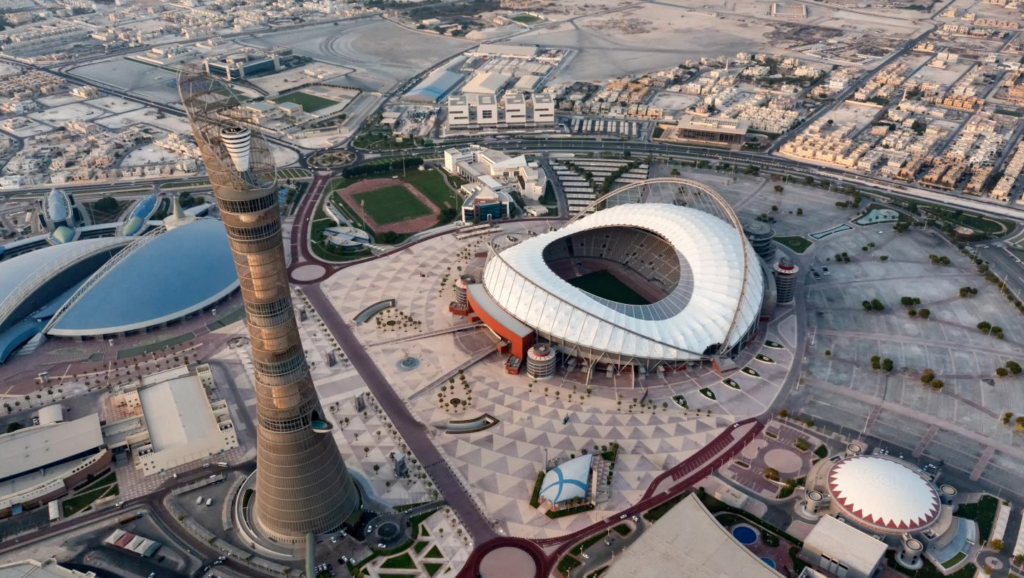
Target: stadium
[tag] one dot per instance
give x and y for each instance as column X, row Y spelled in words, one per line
column 114, row 286
column 661, row 276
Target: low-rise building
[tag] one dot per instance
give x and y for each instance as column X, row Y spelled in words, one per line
column 724, row 132
column 42, row 462
column 176, row 419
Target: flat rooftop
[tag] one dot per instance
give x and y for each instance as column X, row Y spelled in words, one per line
column 177, row 412
column 34, row 448
column 723, row 125
column 688, row 541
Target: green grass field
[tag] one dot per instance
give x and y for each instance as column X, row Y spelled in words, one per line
column 391, row 205
column 607, row 286
column 293, row 173
column 526, row 18
column 308, row 102
column 798, row 244
column 431, row 183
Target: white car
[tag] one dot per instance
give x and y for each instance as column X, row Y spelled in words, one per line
column 586, row 556
column 623, row 517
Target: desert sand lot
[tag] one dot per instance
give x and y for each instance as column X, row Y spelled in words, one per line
column 74, row 111
column 282, row 81
column 946, row 76
column 641, row 38
column 148, row 155
column 358, row 44
column 146, row 81
column 673, row 35
column 114, row 104
column 146, row 116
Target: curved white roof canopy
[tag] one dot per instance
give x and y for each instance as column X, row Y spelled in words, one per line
column 567, row 481
column 884, row 494
column 522, row 283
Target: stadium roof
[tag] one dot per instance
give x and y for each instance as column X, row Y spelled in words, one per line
column 58, row 206
column 567, row 481
column 142, row 211
column 62, row 235
column 33, row 448
column 688, row 541
column 435, row 86
column 158, row 278
column 20, row 273
column 697, row 314
column 884, row 494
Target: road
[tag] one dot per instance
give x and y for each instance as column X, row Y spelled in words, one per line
column 777, row 165
column 152, row 504
column 412, row 431
column 563, row 202
column 299, row 239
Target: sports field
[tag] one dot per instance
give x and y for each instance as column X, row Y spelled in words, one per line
column 607, row 286
column 391, row 204
column 308, row 102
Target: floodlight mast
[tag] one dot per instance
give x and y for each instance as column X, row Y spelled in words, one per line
column 302, row 484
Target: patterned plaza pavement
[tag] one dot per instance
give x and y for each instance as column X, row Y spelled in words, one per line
column 500, row 464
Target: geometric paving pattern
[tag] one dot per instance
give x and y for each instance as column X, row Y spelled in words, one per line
column 500, row 464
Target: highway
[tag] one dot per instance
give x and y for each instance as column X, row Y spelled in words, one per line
column 772, row 164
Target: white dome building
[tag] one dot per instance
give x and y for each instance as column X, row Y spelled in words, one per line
column 883, row 494
column 633, row 284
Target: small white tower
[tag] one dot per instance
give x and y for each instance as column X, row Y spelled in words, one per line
column 238, row 142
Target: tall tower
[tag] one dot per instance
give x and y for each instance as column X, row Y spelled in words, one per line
column 302, row 485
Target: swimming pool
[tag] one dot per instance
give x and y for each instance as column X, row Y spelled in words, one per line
column 769, row 562
column 744, row 534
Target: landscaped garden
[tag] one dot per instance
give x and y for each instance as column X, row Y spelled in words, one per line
column 797, row 244
column 90, row 492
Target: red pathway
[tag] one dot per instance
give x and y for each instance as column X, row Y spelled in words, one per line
column 665, row 487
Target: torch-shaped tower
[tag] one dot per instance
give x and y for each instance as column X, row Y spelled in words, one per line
column 302, row 485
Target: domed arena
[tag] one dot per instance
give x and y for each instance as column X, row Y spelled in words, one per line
column 883, row 494
column 662, row 275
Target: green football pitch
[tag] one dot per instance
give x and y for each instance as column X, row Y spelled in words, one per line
column 607, row 286
column 391, row 205
column 308, row 102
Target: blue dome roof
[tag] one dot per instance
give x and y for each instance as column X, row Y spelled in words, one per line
column 25, row 268
column 139, row 215
column 62, row 235
column 162, row 279
column 58, row 206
